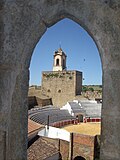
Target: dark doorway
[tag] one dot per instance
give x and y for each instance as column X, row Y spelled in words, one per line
column 79, row 158
column 80, row 118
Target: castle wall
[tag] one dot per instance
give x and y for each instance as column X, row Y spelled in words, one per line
column 78, row 82
column 82, row 145
column 36, row 101
column 61, row 86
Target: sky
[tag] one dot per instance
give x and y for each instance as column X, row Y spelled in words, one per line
column 81, row 50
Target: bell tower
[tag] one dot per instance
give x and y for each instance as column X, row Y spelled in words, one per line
column 59, row 62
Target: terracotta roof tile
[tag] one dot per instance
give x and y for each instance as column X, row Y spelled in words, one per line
column 33, row 126
column 41, row 149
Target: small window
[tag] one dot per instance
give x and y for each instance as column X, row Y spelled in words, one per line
column 57, row 62
column 59, row 91
column 48, row 90
column 70, row 77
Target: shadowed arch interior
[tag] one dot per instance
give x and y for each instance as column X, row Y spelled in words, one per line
column 79, row 158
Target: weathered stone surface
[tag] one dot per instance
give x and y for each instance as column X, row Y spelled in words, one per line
column 22, row 24
column 19, row 118
column 61, row 86
column 111, row 115
column 2, row 144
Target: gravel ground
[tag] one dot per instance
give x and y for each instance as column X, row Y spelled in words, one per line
column 85, row 128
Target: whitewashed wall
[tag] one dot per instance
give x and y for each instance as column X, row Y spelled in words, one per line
column 53, row 132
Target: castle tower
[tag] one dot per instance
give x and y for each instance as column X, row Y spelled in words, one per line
column 60, row 84
column 59, row 63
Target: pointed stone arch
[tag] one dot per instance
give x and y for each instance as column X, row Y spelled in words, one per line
column 22, row 24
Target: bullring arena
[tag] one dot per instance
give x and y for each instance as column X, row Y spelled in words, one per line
column 77, row 126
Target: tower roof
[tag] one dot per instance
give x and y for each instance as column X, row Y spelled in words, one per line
column 60, row 52
column 60, row 49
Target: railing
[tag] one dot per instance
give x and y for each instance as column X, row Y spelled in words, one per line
column 64, row 122
column 87, row 119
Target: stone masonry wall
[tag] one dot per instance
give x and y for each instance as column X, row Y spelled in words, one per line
column 64, row 149
column 36, row 101
column 78, row 82
column 61, row 86
column 83, row 145
column 22, row 24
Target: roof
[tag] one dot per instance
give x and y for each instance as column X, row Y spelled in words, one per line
column 33, row 126
column 76, row 108
column 92, row 109
column 41, row 149
column 60, row 52
column 88, row 108
column 55, row 115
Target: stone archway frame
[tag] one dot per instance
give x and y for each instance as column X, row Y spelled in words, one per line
column 22, row 24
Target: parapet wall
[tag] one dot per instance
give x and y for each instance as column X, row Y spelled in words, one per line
column 83, row 145
column 72, row 145
column 36, row 101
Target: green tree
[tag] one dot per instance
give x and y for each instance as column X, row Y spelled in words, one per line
column 91, row 89
column 84, row 89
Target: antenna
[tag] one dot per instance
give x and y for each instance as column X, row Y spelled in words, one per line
column 48, row 122
column 60, row 44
